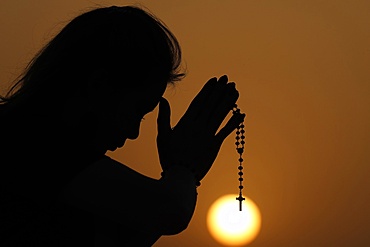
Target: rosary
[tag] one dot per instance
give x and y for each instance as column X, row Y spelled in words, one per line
column 240, row 149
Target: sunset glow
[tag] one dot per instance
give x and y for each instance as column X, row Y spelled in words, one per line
column 232, row 227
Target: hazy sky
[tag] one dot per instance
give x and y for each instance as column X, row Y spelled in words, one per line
column 302, row 70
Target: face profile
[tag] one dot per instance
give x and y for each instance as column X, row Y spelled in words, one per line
column 119, row 117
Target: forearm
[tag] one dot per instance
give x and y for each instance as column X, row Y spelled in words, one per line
column 118, row 193
column 180, row 185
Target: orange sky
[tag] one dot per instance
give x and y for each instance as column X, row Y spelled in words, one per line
column 302, row 70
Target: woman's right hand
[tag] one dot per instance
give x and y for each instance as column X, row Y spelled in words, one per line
column 193, row 142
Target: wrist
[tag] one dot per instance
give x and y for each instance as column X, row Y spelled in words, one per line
column 176, row 169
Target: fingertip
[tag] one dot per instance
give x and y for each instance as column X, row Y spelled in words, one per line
column 242, row 117
column 223, row 79
column 231, row 88
column 163, row 101
column 164, row 107
column 213, row 79
column 233, row 96
column 231, row 84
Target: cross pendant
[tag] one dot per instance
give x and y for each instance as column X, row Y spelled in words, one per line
column 240, row 199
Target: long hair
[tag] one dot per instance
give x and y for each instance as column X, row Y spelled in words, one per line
column 131, row 44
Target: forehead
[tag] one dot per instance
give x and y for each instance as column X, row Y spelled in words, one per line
column 143, row 99
column 150, row 97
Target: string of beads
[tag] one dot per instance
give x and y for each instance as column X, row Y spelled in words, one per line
column 240, row 149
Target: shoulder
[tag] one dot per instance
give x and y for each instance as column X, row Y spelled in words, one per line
column 104, row 172
column 103, row 166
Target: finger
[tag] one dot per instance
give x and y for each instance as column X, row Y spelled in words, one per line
column 213, row 98
column 164, row 118
column 218, row 115
column 197, row 103
column 223, row 79
column 230, row 126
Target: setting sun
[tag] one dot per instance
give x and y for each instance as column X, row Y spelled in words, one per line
column 232, row 227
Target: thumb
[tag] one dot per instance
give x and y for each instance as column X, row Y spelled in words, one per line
column 164, row 117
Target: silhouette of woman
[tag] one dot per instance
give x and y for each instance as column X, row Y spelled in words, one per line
column 85, row 93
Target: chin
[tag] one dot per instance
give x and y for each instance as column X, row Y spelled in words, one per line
column 112, row 149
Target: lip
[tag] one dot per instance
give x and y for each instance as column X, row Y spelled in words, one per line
column 121, row 142
column 116, row 144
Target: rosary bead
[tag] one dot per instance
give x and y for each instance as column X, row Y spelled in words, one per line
column 237, row 143
column 241, row 187
column 240, row 173
column 243, row 137
column 238, row 132
column 242, row 142
column 240, row 150
column 240, row 179
column 242, row 131
column 242, row 126
column 237, row 138
column 241, row 160
column 240, row 168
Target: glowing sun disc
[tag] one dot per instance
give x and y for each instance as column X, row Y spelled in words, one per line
column 232, row 227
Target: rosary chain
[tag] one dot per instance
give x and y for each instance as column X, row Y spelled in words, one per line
column 240, row 141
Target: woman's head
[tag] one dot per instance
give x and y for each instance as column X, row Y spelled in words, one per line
column 112, row 63
column 131, row 48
